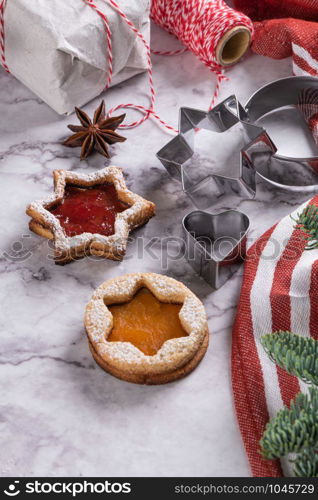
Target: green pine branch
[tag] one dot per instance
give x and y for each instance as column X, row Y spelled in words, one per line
column 306, row 463
column 294, row 428
column 307, row 222
column 296, row 354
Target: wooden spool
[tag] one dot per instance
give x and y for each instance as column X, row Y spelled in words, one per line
column 233, row 45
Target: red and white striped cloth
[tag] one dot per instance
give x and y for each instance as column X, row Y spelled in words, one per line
column 308, row 105
column 285, row 28
column 269, row 9
column 279, row 292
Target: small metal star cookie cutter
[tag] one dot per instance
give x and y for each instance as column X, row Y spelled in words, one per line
column 178, row 156
column 215, row 243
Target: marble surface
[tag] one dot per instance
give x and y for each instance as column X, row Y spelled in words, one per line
column 59, row 413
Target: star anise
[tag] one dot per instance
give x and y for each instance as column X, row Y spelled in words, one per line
column 96, row 134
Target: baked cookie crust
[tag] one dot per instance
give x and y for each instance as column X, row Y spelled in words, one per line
column 176, row 358
column 69, row 248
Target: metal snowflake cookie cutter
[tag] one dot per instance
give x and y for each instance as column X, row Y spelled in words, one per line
column 215, row 243
column 178, row 155
column 274, row 99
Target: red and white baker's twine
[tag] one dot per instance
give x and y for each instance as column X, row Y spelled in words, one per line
column 198, row 24
column 147, row 111
column 2, row 36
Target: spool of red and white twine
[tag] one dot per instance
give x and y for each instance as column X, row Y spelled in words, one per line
column 218, row 35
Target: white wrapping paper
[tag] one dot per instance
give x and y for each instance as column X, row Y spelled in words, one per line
column 58, row 48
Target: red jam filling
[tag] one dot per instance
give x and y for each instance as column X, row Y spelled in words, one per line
column 89, row 210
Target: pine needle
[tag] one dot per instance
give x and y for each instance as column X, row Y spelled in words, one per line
column 307, row 222
column 306, row 463
column 296, row 354
column 293, row 429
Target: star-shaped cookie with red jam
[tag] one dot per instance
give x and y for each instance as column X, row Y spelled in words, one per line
column 89, row 214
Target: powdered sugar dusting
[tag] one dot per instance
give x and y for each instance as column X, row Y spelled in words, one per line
column 174, row 352
column 138, row 212
column 192, row 314
column 100, row 320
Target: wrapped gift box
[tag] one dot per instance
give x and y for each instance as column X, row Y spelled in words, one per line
column 58, row 48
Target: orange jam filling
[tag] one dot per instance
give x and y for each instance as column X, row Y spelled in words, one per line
column 145, row 322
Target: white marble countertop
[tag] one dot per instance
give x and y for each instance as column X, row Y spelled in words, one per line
column 60, row 413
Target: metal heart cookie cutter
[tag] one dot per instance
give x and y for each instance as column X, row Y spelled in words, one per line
column 257, row 152
column 215, row 243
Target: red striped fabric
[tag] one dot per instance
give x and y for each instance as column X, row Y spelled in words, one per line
column 288, row 28
column 268, row 9
column 285, row 29
column 279, row 291
column 302, row 68
column 247, row 380
column 308, row 105
column 281, row 309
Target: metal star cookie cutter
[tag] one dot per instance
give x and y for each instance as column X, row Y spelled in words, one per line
column 287, row 172
column 177, row 156
column 215, row 243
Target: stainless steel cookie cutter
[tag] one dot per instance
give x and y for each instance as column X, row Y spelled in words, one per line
column 215, row 243
column 177, row 156
column 295, row 174
column 258, row 153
